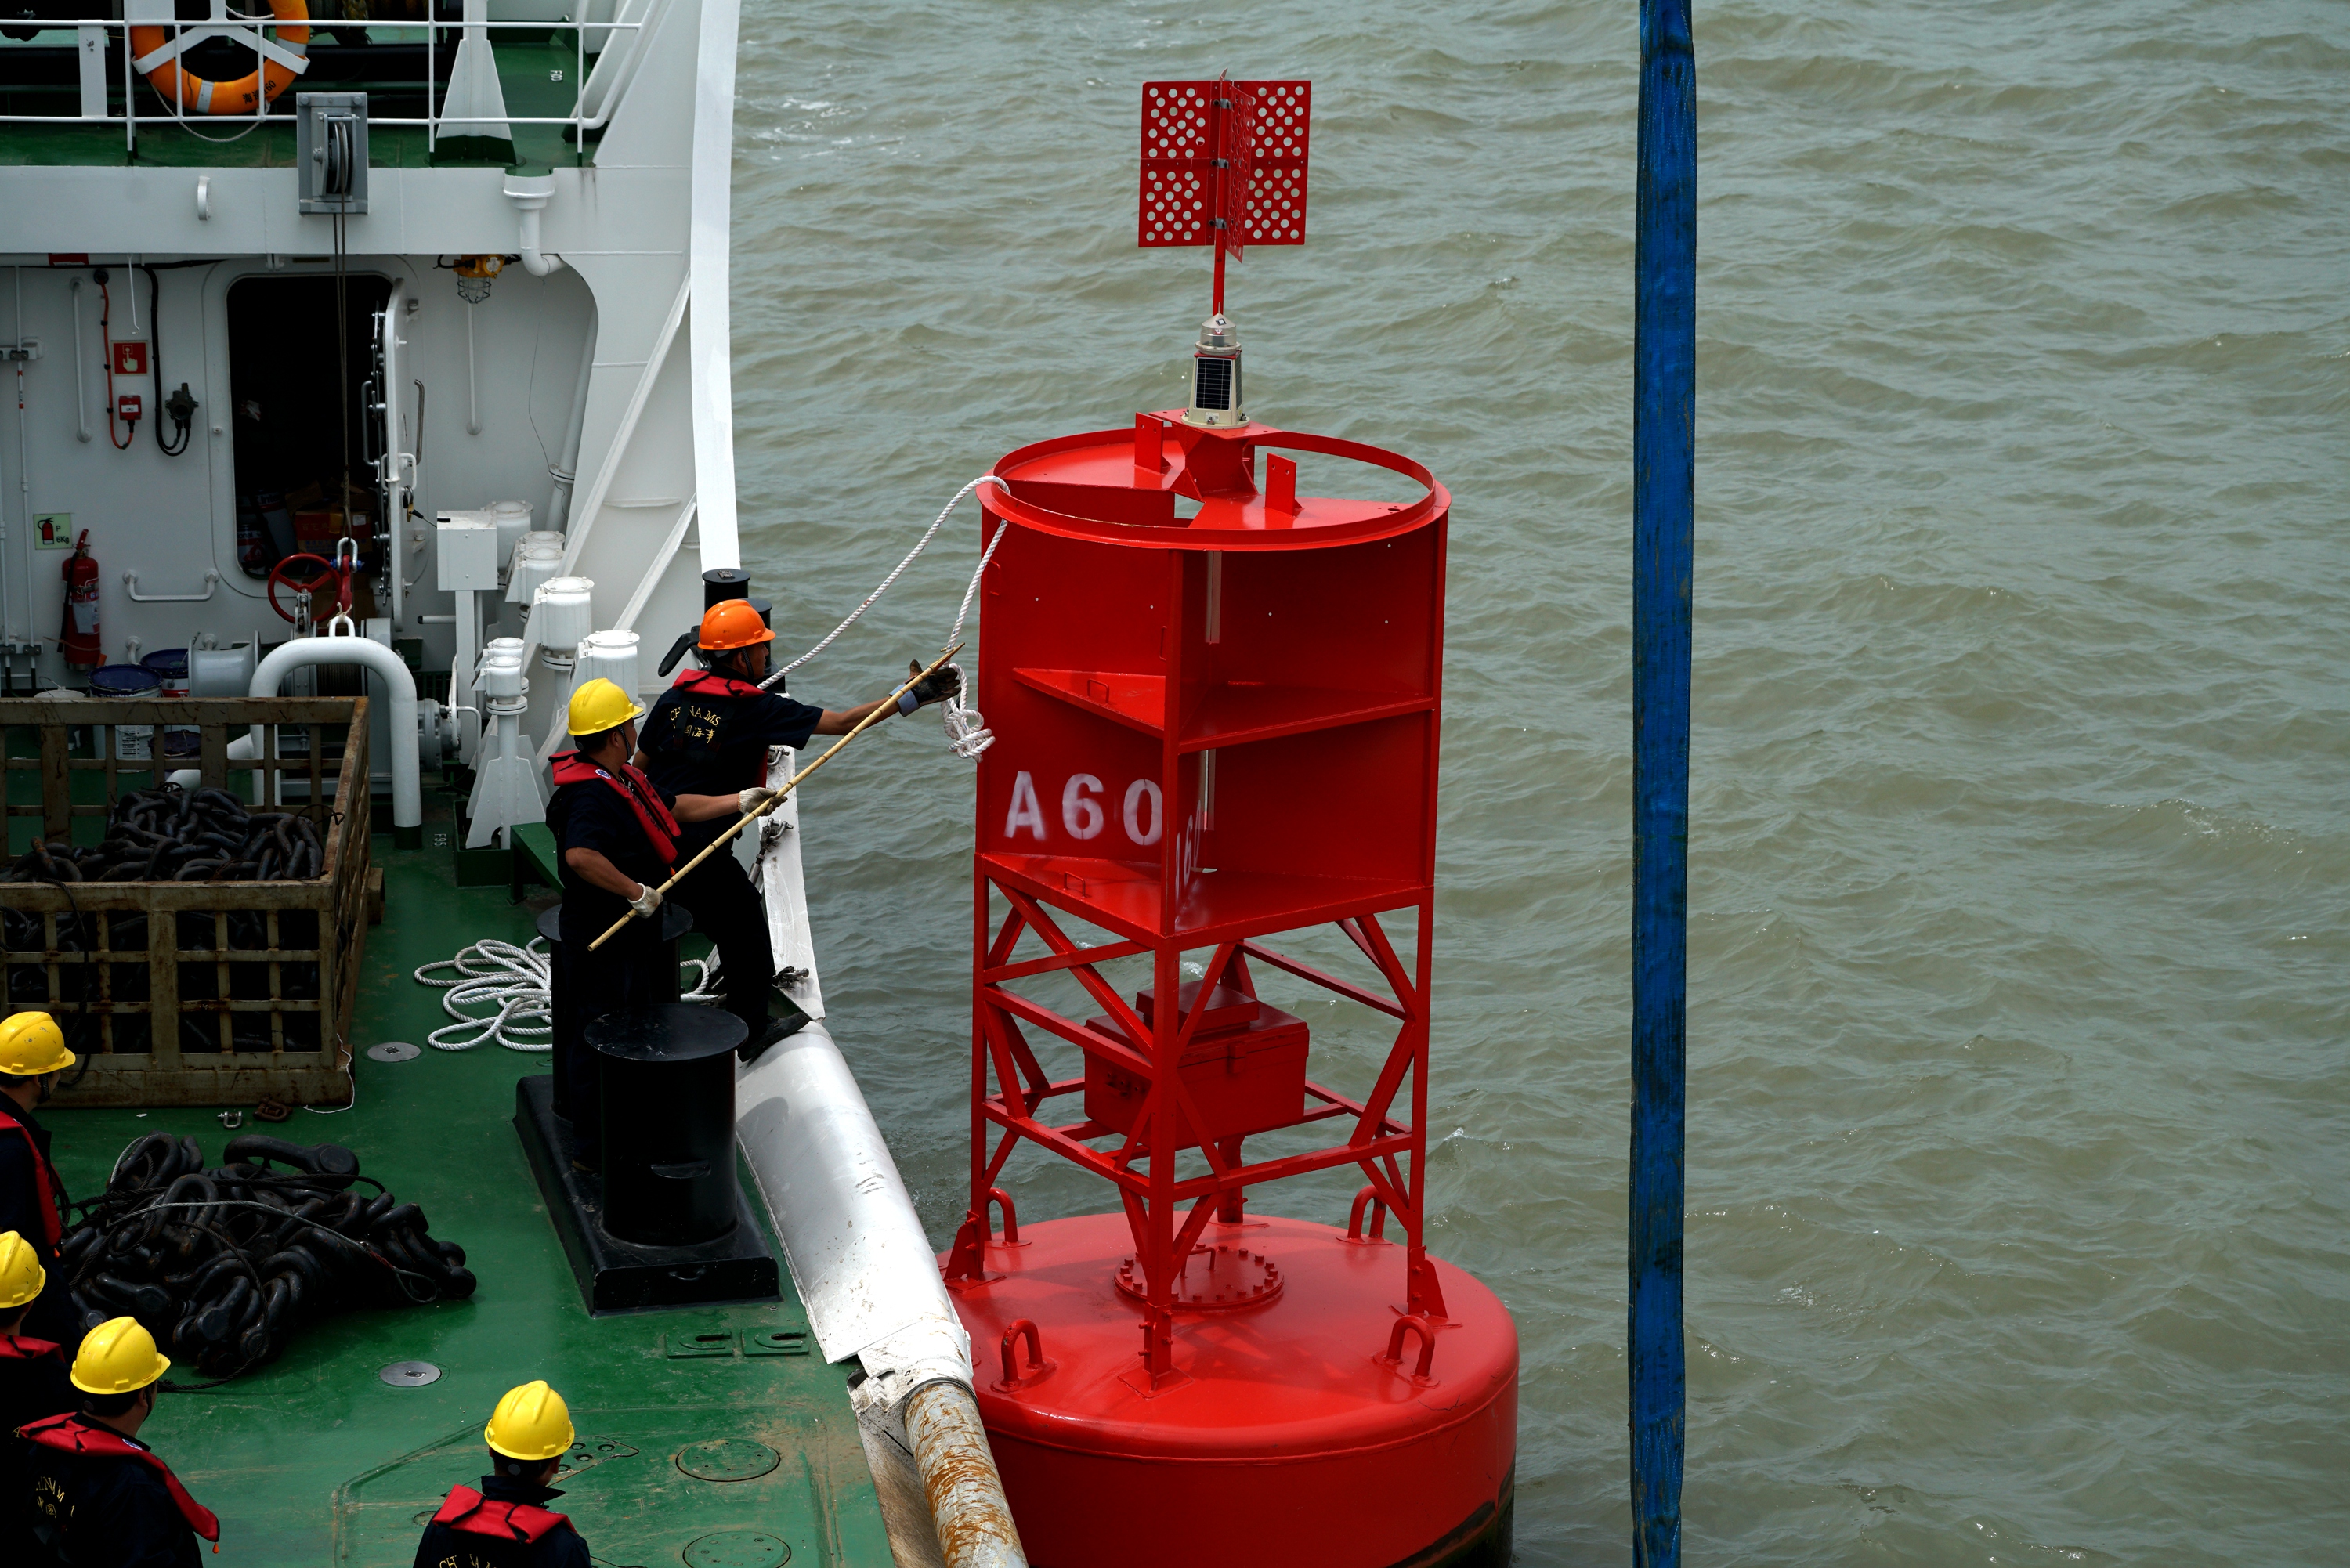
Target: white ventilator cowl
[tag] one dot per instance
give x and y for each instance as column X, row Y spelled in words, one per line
column 535, row 566
column 609, row 656
column 563, row 612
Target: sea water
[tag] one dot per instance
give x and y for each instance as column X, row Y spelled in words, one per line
column 2019, row 977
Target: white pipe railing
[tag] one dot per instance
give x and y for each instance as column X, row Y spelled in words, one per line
column 581, row 120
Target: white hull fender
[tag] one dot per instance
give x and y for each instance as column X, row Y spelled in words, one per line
column 790, row 937
column 871, row 1281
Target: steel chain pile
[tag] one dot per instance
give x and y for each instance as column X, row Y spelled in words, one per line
column 223, row 1265
column 172, row 834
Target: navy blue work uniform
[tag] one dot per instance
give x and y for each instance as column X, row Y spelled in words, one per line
column 625, row 817
column 98, row 1497
column 500, row 1526
column 709, row 734
column 33, row 1204
column 33, row 1384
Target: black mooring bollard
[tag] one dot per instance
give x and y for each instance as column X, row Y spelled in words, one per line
column 654, row 981
column 668, row 1092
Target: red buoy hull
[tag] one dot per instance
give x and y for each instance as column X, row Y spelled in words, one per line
column 1286, row 1436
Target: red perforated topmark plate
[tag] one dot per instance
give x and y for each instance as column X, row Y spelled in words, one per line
column 1258, row 129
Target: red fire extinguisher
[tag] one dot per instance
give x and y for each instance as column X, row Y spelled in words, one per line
column 79, row 640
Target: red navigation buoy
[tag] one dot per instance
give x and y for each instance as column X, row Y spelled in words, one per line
column 1215, row 703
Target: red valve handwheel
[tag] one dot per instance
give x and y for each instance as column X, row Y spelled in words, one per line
column 327, row 570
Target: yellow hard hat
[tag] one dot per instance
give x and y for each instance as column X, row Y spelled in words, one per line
column 118, row 1356
column 21, row 1274
column 532, row 1422
column 598, row 706
column 31, row 1043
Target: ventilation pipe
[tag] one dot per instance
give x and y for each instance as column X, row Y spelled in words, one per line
column 530, row 194
column 407, row 792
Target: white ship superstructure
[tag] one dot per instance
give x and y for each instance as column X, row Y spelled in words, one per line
column 533, row 328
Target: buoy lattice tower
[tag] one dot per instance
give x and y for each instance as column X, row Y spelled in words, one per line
column 1216, row 706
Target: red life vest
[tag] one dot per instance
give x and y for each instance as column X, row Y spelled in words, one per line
column 25, row 1347
column 45, row 1180
column 470, row 1511
column 660, row 827
column 69, row 1435
column 710, row 683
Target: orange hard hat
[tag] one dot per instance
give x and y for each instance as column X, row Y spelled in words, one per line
column 733, row 623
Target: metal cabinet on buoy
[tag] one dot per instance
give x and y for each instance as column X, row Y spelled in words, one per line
column 1215, row 699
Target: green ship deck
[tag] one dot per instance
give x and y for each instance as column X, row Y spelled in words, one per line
column 316, row 1459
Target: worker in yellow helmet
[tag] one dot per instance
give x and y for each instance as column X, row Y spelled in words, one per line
column 505, row 1524
column 32, row 1199
column 33, row 1384
column 615, row 837
column 97, row 1493
column 710, row 732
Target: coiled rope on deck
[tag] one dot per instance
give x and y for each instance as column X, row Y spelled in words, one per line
column 517, row 984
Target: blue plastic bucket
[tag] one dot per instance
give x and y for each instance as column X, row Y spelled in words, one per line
column 132, row 743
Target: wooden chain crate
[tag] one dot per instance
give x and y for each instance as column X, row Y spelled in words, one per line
column 191, row 993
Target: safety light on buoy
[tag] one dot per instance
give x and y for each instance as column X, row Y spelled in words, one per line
column 1216, row 375
column 1216, row 729
column 1224, row 164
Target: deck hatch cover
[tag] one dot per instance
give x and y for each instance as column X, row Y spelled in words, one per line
column 727, row 1459
column 738, row 1549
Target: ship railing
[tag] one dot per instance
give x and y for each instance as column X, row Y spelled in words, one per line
column 597, row 92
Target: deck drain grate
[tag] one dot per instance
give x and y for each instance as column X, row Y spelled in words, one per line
column 728, row 1459
column 738, row 1549
column 410, row 1373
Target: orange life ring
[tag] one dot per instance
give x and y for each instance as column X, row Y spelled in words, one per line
column 155, row 53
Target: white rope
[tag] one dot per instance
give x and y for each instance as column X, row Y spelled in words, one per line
column 517, row 982
column 706, row 988
column 920, row 545
column 967, row 731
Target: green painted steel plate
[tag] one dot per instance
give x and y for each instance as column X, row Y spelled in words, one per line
column 315, row 1459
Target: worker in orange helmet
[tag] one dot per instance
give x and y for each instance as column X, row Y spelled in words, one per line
column 708, row 734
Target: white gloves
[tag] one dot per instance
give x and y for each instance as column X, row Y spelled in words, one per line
column 755, row 798
column 647, row 901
